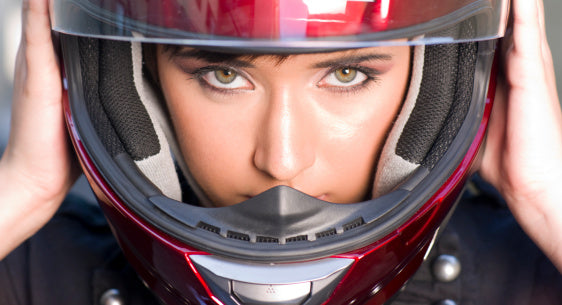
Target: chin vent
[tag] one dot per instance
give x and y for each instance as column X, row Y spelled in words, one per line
column 326, row 233
column 208, row 227
column 296, row 238
column 354, row 224
column 267, row 239
column 238, row 236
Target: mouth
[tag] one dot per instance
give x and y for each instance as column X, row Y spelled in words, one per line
column 323, row 197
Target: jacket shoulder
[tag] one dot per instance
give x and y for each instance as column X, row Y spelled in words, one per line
column 76, row 246
column 499, row 264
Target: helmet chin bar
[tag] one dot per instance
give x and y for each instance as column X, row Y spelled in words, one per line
column 280, row 224
column 280, row 215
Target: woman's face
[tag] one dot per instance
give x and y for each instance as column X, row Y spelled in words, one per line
column 314, row 122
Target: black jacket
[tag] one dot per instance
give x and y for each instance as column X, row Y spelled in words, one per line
column 75, row 259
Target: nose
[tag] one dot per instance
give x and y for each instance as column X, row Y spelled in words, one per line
column 285, row 144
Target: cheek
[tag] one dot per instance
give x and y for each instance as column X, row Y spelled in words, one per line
column 198, row 121
column 353, row 143
column 216, row 160
column 352, row 159
column 213, row 156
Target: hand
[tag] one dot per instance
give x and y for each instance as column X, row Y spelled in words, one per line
column 36, row 169
column 523, row 157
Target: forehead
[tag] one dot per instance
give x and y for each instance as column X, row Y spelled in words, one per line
column 216, row 56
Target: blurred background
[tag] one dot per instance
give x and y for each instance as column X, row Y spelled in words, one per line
column 10, row 30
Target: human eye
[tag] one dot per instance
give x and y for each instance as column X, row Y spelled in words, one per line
column 347, row 77
column 223, row 78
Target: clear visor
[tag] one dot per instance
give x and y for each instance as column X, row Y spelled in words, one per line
column 282, row 24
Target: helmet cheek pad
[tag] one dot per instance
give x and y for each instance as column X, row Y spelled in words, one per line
column 436, row 105
column 122, row 106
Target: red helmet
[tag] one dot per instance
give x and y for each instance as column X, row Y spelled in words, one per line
column 282, row 246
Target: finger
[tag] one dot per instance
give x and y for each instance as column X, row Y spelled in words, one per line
column 547, row 61
column 527, row 35
column 546, row 52
column 37, row 70
column 36, row 48
column 36, row 22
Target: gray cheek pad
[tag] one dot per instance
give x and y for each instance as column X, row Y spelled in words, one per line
column 124, row 110
column 435, row 106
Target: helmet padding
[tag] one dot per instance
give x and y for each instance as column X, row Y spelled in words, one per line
column 122, row 109
column 435, row 106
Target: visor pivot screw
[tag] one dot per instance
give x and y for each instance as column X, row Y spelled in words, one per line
column 446, row 268
column 112, row 297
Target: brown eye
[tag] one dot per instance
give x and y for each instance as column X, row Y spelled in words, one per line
column 225, row 79
column 345, row 75
column 225, row 76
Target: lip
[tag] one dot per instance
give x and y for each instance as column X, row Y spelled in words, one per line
column 323, row 197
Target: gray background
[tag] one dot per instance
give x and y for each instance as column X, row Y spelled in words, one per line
column 10, row 34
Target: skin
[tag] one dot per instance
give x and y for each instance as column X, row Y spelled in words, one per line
column 300, row 121
column 523, row 157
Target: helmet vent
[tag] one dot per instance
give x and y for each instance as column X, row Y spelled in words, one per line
column 238, row 236
column 326, row 233
column 296, row 238
column 208, row 227
column 266, row 239
column 354, row 224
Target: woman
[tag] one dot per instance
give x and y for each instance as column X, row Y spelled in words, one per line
column 531, row 170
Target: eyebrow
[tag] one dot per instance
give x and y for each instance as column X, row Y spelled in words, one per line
column 237, row 60
column 352, row 59
column 246, row 60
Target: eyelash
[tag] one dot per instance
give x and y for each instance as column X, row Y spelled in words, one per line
column 199, row 74
column 371, row 74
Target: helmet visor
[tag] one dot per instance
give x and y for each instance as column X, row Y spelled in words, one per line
column 281, row 24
